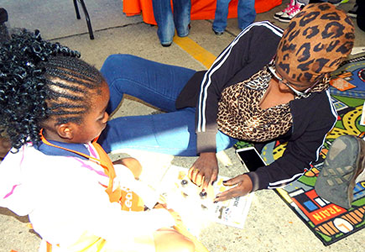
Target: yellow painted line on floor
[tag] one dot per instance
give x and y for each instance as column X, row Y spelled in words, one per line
column 195, row 50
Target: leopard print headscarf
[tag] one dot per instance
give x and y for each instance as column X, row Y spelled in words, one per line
column 316, row 41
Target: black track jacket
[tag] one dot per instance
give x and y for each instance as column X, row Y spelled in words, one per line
column 249, row 52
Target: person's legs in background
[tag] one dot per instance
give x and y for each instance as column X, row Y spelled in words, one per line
column 358, row 12
column 303, row 2
column 165, row 22
column 246, row 13
column 350, row 13
column 277, row 15
column 361, row 14
column 182, row 10
column 4, row 34
column 220, row 17
column 288, row 14
column 353, row 11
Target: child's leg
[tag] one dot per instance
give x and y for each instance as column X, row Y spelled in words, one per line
column 167, row 240
column 164, row 19
column 155, row 83
column 181, row 15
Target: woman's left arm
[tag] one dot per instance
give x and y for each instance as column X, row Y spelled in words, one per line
column 311, row 124
column 313, row 119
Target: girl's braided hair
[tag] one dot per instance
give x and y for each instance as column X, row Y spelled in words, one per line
column 39, row 79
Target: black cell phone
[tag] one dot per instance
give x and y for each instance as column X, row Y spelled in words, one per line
column 251, row 158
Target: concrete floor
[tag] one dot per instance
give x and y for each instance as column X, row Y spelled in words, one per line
column 270, row 225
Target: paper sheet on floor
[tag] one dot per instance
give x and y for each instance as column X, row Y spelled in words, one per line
column 198, row 210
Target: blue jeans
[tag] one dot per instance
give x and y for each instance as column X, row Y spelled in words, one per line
column 246, row 14
column 167, row 22
column 158, row 84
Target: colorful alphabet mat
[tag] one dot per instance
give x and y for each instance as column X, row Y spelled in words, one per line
column 329, row 222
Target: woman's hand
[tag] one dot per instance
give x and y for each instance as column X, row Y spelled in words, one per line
column 205, row 170
column 243, row 186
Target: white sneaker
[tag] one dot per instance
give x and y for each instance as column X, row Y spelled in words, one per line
column 287, row 17
column 353, row 11
column 288, row 8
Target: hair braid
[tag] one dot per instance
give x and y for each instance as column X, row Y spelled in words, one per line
column 39, row 79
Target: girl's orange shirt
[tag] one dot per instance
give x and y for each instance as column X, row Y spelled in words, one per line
column 128, row 199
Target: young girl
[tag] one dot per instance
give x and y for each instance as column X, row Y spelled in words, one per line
column 52, row 108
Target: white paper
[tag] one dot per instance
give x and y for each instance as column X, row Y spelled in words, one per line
column 184, row 197
column 362, row 121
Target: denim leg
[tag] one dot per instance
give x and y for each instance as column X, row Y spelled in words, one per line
column 155, row 83
column 169, row 133
column 221, row 13
column 164, row 19
column 158, row 84
column 182, row 10
column 246, row 13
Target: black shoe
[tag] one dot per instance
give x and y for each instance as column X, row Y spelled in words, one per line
column 166, row 44
column 218, row 33
column 343, row 165
column 4, row 34
column 3, row 16
column 353, row 11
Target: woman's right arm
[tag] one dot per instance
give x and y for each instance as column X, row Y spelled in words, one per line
column 253, row 48
column 248, row 53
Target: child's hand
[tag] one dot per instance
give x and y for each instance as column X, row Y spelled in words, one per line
column 132, row 164
column 175, row 215
column 162, row 200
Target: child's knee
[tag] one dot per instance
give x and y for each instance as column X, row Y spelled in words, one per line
column 188, row 246
column 171, row 240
